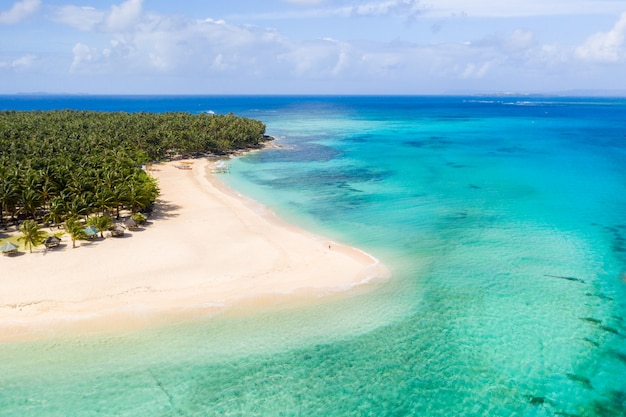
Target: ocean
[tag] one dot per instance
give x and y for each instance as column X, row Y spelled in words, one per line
column 502, row 220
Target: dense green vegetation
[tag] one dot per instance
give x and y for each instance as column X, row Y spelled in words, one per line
column 59, row 165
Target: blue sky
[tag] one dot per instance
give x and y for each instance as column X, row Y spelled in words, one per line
column 311, row 46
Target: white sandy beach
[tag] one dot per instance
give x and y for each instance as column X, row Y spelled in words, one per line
column 205, row 249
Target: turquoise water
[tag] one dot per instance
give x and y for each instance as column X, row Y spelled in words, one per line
column 502, row 220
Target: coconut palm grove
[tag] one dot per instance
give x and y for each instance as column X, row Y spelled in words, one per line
column 60, row 167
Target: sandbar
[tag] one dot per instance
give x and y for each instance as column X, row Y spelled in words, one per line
column 205, row 249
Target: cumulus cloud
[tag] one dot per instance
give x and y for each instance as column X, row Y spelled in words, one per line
column 316, row 58
column 22, row 63
column 162, row 45
column 473, row 70
column 304, row 2
column 215, row 48
column 518, row 40
column 82, row 53
column 605, row 47
column 82, row 18
column 119, row 18
column 406, row 8
column 149, row 44
column 20, row 11
column 447, row 8
column 499, row 8
column 122, row 17
column 91, row 60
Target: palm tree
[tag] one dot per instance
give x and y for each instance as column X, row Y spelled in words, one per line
column 56, row 212
column 78, row 206
column 89, row 160
column 8, row 197
column 101, row 223
column 104, row 199
column 141, row 191
column 46, row 192
column 30, row 202
column 75, row 229
column 32, row 235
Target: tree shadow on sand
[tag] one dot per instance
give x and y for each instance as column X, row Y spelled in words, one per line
column 60, row 248
column 126, row 235
column 14, row 254
column 164, row 210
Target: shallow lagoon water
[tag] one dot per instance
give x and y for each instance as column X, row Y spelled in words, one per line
column 502, row 220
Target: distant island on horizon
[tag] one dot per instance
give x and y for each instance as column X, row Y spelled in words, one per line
column 565, row 93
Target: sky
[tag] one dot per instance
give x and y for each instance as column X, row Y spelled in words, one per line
column 312, row 46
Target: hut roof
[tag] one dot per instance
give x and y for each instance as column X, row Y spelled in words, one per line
column 52, row 241
column 9, row 247
column 130, row 222
column 118, row 230
column 91, row 231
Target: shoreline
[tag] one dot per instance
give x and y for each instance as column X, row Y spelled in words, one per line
column 209, row 250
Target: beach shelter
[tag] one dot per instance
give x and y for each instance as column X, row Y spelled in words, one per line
column 91, row 232
column 130, row 223
column 9, row 248
column 117, row 231
column 52, row 242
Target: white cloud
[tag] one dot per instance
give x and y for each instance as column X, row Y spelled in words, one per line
column 304, row 2
column 377, row 63
column 314, row 59
column 124, row 16
column 214, row 48
column 499, row 8
column 444, row 8
column 120, row 18
column 161, row 45
column 127, row 41
column 520, row 39
column 20, row 11
column 219, row 21
column 82, row 18
column 605, row 47
column 24, row 62
column 407, row 8
column 82, row 53
column 90, row 60
column 517, row 40
column 473, row 70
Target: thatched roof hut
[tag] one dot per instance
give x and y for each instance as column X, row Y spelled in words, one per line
column 9, row 248
column 52, row 242
column 117, row 231
column 91, row 232
column 130, row 224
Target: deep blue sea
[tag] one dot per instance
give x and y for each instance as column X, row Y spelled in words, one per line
column 502, row 219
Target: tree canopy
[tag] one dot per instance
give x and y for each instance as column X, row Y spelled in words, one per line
column 60, row 164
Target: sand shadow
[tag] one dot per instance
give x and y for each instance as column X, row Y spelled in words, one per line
column 165, row 210
column 91, row 243
column 15, row 254
column 124, row 236
column 59, row 248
